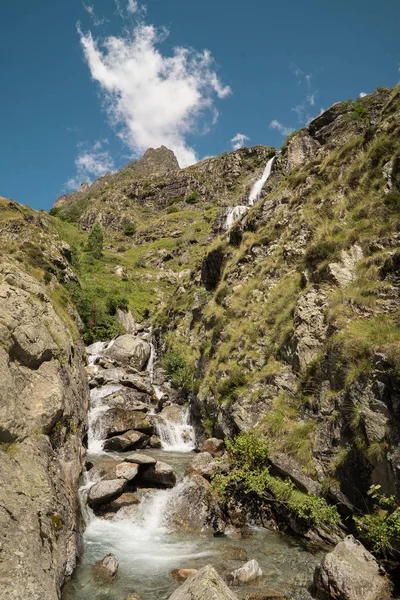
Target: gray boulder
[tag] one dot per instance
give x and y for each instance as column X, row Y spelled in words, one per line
column 202, row 464
column 159, row 475
column 128, row 441
column 350, row 572
column 214, row 446
column 206, row 584
column 117, row 421
column 105, row 570
column 130, row 350
column 249, row 572
column 104, row 491
column 140, row 459
column 190, row 509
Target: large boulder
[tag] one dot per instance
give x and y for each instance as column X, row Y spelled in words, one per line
column 130, row 440
column 172, row 413
column 130, row 350
column 118, row 420
column 350, row 572
column 214, row 446
column 206, row 584
column 158, row 475
column 140, row 459
column 203, row 464
column 104, row 491
column 190, row 509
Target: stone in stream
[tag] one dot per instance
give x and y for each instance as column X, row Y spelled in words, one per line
column 155, row 442
column 172, row 413
column 126, row 471
column 128, row 441
column 126, row 499
column 117, row 421
column 206, row 584
column 214, row 446
column 191, row 510
column 350, row 572
column 249, row 572
column 159, row 475
column 140, row 459
column 102, row 492
column 182, row 574
column 105, row 570
column 130, row 350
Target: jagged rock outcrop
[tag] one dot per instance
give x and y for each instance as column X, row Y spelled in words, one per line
column 43, row 412
column 206, row 584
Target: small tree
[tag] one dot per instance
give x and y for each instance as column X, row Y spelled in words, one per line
column 96, row 241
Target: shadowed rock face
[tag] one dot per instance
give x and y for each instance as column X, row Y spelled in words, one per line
column 43, row 406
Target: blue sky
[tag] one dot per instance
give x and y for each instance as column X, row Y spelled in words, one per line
column 72, row 107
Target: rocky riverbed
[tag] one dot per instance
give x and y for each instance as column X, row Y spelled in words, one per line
column 146, row 493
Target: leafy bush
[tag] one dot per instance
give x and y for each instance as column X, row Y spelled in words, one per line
column 359, row 111
column 180, row 373
column 96, row 241
column 248, row 456
column 97, row 308
column 55, row 211
column 130, row 229
column 381, row 527
column 172, row 209
column 192, row 198
column 173, row 201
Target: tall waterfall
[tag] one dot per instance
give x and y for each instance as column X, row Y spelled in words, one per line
column 259, row 184
column 237, row 211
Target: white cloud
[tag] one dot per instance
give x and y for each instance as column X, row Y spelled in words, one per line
column 281, row 128
column 133, row 6
column 151, row 98
column 362, row 94
column 91, row 162
column 239, row 140
column 311, row 99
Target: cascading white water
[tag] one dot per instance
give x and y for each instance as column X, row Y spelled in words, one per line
column 176, row 437
column 259, row 184
column 96, row 411
column 237, row 211
column 234, row 214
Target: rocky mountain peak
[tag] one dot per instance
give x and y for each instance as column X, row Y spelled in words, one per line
column 158, row 160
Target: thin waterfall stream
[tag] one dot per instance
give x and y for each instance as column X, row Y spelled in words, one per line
column 236, row 212
column 151, row 536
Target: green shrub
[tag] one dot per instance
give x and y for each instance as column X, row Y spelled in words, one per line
column 97, row 307
column 249, row 473
column 192, row 198
column 173, row 201
column 392, row 201
column 180, row 373
column 381, row 528
column 359, row 111
column 55, row 211
column 172, row 209
column 130, row 229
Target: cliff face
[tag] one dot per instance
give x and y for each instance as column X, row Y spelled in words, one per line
column 43, row 406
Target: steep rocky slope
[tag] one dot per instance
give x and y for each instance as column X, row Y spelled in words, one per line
column 43, row 407
column 294, row 327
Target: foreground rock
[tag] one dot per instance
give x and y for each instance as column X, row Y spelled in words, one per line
column 202, row 464
column 105, row 570
column 117, row 421
column 249, row 572
column 206, row 584
column 350, row 572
